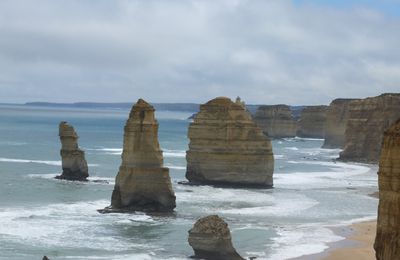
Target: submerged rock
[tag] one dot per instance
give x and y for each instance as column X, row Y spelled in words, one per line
column 142, row 183
column 387, row 241
column 211, row 239
column 276, row 121
column 336, row 122
column 74, row 164
column 312, row 122
column 227, row 147
column 368, row 119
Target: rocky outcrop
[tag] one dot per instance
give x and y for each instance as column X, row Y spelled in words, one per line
column 336, row 121
column 368, row 119
column 211, row 239
column 387, row 242
column 142, row 183
column 312, row 122
column 74, row 164
column 227, row 147
column 276, row 121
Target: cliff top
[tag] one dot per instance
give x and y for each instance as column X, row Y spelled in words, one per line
column 212, row 224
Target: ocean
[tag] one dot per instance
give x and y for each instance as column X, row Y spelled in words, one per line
column 40, row 215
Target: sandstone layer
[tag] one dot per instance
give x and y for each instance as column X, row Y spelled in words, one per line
column 74, row 164
column 227, row 147
column 211, row 239
column 312, row 122
column 387, row 242
column 142, row 183
column 336, row 122
column 276, row 121
column 368, row 119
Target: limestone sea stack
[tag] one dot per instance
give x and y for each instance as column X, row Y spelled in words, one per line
column 74, row 164
column 387, row 242
column 312, row 122
column 211, row 239
column 336, row 122
column 276, row 121
column 142, row 183
column 368, row 119
column 227, row 147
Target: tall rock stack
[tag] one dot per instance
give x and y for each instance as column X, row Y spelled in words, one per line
column 276, row 121
column 227, row 147
column 336, row 122
column 211, row 239
column 142, row 183
column 312, row 122
column 368, row 119
column 74, row 164
column 387, row 241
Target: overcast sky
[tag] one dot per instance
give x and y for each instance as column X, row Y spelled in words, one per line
column 267, row 52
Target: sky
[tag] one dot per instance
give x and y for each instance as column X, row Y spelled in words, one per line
column 298, row 52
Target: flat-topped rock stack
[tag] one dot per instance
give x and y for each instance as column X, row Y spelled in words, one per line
column 74, row 164
column 368, row 119
column 312, row 122
column 227, row 147
column 276, row 121
column 142, row 183
column 336, row 122
column 387, row 242
column 211, row 239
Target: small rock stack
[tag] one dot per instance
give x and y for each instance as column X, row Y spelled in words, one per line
column 211, row 239
column 387, row 242
column 227, row 147
column 74, row 164
column 142, row 183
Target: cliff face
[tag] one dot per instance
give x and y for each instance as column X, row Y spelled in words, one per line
column 387, row 242
column 368, row 119
column 74, row 164
column 211, row 239
column 312, row 122
column 227, row 148
column 142, row 182
column 336, row 121
column 276, row 121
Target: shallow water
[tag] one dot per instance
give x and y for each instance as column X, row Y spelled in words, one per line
column 43, row 216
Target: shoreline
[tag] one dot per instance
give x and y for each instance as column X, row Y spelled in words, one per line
column 357, row 243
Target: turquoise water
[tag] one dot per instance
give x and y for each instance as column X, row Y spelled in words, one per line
column 43, row 216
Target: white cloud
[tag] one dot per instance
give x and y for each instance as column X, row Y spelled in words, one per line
column 178, row 51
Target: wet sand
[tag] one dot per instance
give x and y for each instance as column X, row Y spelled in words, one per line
column 358, row 244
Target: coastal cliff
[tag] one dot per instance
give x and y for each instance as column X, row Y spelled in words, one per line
column 312, row 122
column 211, row 239
column 387, row 242
column 227, row 147
column 276, row 121
column 74, row 164
column 336, row 122
column 368, row 119
column 142, row 182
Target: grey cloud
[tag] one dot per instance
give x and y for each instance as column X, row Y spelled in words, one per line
column 191, row 51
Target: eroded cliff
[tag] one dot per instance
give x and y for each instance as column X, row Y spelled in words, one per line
column 312, row 122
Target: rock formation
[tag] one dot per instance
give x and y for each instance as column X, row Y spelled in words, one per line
column 387, row 242
column 142, row 183
column 276, row 121
column 227, row 148
column 312, row 122
column 336, row 121
column 211, row 239
column 74, row 164
column 368, row 119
